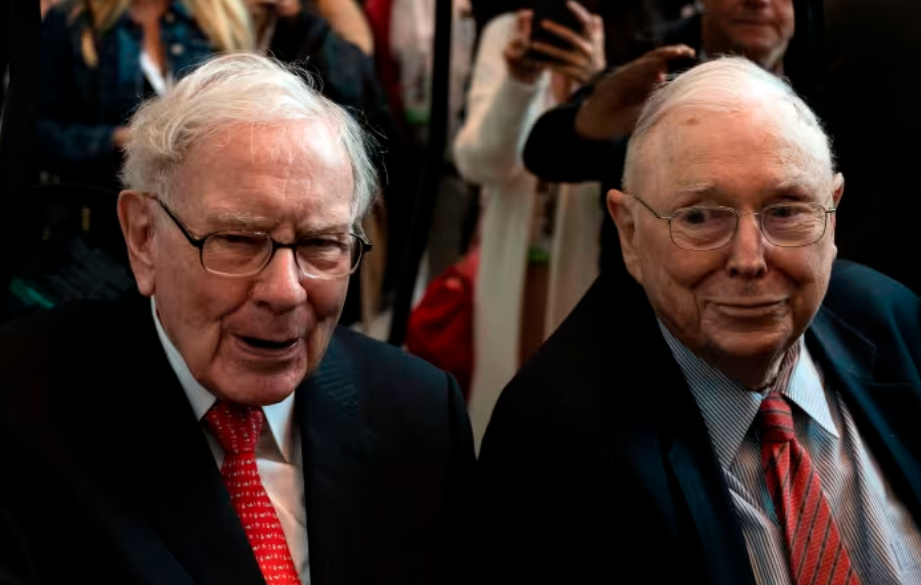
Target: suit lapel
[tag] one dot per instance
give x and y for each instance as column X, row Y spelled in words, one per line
column 171, row 471
column 885, row 407
column 336, row 447
column 698, row 473
column 669, row 421
column 701, row 479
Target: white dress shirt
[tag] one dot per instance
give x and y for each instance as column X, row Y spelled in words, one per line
column 278, row 454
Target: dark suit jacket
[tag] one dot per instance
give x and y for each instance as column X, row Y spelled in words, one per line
column 108, row 477
column 597, row 466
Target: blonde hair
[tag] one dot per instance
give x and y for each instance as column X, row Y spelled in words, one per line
column 242, row 88
column 226, row 23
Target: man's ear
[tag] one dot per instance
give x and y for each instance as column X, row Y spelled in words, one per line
column 136, row 219
column 626, row 230
column 838, row 184
column 838, row 191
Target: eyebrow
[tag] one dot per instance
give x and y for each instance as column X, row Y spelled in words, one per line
column 696, row 188
column 803, row 182
column 241, row 220
column 258, row 223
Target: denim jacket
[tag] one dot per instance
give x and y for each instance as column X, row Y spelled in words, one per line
column 81, row 106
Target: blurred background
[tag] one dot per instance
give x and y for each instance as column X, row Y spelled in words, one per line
column 470, row 229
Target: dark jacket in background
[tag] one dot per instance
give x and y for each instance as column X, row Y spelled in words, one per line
column 80, row 106
column 597, row 466
column 871, row 103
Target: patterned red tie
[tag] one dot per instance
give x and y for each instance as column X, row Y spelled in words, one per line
column 237, row 427
column 814, row 547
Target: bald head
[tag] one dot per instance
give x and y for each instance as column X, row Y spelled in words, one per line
column 729, row 86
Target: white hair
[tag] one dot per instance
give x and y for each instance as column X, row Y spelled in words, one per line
column 727, row 84
column 234, row 89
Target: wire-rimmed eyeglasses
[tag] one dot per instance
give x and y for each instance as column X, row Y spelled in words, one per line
column 788, row 225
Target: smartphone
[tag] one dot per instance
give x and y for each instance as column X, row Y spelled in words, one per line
column 557, row 11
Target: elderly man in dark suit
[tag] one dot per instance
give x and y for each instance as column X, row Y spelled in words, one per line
column 224, row 430
column 747, row 411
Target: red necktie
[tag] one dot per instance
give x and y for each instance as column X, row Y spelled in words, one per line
column 237, row 427
column 815, row 550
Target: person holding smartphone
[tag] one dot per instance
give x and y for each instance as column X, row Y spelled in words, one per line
column 532, row 267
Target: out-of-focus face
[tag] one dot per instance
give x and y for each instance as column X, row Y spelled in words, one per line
column 749, row 300
column 251, row 340
column 757, row 29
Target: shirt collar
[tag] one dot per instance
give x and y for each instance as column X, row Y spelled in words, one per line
column 280, row 416
column 729, row 409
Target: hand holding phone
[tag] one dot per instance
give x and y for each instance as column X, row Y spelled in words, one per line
column 556, row 11
column 566, row 38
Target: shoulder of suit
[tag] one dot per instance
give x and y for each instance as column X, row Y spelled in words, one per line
column 382, row 359
column 855, row 282
column 66, row 333
column 869, row 300
column 47, row 325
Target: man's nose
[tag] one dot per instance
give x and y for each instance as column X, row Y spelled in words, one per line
column 280, row 284
column 747, row 249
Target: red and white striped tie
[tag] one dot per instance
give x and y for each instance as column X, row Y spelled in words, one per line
column 816, row 553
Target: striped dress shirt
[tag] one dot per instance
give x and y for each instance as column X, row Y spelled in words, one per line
column 882, row 539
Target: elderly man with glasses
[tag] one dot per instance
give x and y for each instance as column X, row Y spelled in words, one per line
column 748, row 412
column 224, row 430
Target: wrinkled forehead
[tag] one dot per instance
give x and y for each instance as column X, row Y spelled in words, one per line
column 749, row 147
column 298, row 169
column 295, row 142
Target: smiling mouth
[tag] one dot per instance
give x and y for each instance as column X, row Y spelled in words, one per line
column 268, row 344
column 750, row 310
column 752, row 305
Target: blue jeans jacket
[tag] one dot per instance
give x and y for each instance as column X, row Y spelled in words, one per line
column 81, row 106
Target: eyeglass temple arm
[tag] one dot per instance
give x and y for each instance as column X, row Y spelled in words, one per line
column 197, row 242
column 651, row 210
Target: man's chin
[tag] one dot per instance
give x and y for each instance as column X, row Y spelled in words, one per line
column 256, row 388
column 748, row 344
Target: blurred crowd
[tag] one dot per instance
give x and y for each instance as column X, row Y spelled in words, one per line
column 543, row 96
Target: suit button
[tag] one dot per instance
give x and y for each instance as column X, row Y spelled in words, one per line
column 177, row 50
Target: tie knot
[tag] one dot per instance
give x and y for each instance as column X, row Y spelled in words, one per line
column 776, row 419
column 236, row 426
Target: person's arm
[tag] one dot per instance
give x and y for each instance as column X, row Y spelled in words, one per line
column 62, row 137
column 487, row 149
column 575, row 142
column 347, row 19
column 555, row 152
column 346, row 73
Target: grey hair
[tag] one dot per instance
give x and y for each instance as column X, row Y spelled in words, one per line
column 239, row 88
column 726, row 84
